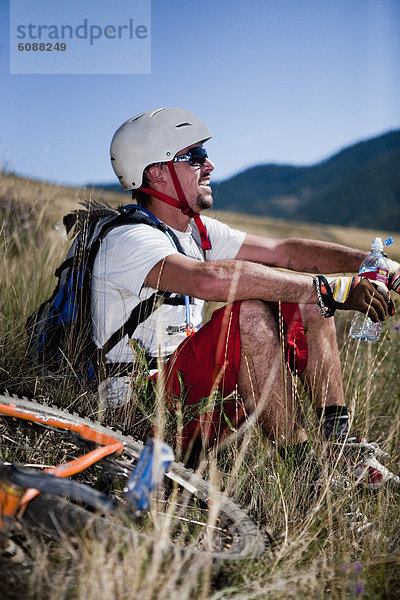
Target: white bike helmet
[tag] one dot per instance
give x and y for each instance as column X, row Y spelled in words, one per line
column 151, row 137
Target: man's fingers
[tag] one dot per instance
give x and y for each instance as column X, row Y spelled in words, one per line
column 368, row 299
column 382, row 289
column 371, row 308
column 379, row 303
column 377, row 310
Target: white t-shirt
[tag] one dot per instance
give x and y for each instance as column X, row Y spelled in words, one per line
column 126, row 256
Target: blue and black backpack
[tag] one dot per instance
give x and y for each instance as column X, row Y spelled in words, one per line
column 60, row 330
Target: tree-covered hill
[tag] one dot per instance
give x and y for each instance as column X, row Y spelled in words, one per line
column 359, row 186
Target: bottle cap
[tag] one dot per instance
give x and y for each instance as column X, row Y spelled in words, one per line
column 377, row 244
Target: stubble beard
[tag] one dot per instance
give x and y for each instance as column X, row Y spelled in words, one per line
column 204, row 201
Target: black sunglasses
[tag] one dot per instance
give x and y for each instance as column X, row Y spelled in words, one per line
column 196, row 156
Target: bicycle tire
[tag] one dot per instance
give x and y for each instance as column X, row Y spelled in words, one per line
column 57, row 517
column 57, row 486
column 241, row 537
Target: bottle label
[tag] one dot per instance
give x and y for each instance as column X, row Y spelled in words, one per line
column 375, row 274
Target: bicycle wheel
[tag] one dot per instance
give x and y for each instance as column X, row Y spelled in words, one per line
column 199, row 517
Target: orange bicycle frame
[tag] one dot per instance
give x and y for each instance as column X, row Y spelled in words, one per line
column 13, row 499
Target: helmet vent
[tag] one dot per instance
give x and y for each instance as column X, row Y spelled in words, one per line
column 135, row 118
column 187, row 124
column 155, row 112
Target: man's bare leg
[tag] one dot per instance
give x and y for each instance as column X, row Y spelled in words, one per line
column 263, row 381
column 323, row 373
column 265, row 386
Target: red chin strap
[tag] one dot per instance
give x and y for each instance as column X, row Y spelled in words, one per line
column 182, row 204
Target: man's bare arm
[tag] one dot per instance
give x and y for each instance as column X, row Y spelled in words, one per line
column 229, row 280
column 296, row 254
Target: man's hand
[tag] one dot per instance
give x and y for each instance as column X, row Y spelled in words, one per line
column 369, row 298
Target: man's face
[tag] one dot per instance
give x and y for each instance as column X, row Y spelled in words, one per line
column 194, row 180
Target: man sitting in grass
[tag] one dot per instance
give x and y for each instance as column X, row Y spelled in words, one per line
column 271, row 317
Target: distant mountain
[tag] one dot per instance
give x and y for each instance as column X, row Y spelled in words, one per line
column 358, row 187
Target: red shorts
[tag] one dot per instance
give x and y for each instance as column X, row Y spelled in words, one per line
column 204, row 370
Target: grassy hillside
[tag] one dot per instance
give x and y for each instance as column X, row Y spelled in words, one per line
column 54, row 201
column 344, row 546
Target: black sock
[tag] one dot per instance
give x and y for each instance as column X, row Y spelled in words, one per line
column 336, row 422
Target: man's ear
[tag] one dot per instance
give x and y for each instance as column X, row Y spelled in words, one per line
column 156, row 174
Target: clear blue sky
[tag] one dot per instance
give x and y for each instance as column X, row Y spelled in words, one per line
column 288, row 81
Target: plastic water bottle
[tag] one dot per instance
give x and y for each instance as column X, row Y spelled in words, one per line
column 375, row 268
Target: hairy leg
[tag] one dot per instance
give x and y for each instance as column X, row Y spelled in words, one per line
column 323, row 374
column 264, row 383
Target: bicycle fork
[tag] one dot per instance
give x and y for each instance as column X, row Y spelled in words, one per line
column 10, row 501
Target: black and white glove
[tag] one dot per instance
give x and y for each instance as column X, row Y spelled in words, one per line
column 353, row 293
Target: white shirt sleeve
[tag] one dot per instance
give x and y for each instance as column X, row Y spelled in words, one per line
column 225, row 241
column 131, row 252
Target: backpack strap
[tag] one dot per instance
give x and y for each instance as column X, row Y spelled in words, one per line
column 139, row 314
column 144, row 309
column 197, row 238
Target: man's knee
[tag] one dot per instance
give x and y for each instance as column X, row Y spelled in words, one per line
column 254, row 312
column 258, row 324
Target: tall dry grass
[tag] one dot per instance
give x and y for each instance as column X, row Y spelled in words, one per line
column 345, row 545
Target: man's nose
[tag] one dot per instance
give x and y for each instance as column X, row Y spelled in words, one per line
column 209, row 165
